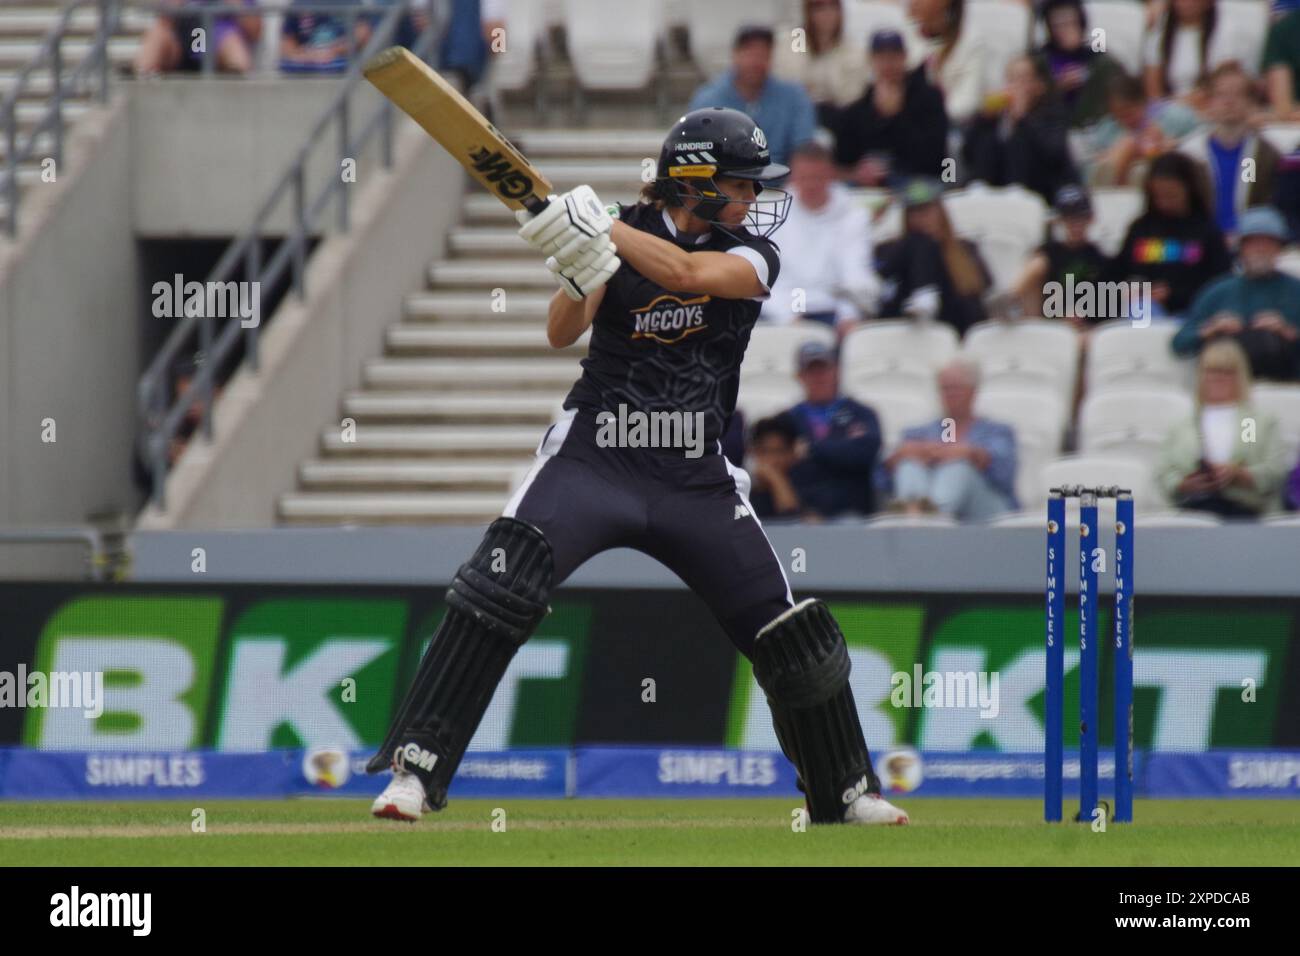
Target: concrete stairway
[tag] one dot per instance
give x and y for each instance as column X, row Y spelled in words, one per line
column 448, row 419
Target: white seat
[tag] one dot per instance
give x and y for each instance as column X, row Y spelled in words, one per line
column 1122, row 354
column 613, row 44
column 910, row 521
column 1005, row 256
column 1246, row 23
column 713, row 31
column 1290, row 520
column 514, row 66
column 1283, row 402
column 1095, row 470
column 1026, row 352
column 862, row 18
column 897, row 408
column 1180, row 519
column 1284, row 137
column 896, row 352
column 1003, row 25
column 772, row 356
column 1124, row 23
column 765, row 399
column 1019, row 519
column 1131, row 421
column 1114, row 210
column 1007, row 211
column 1289, row 262
column 1038, row 415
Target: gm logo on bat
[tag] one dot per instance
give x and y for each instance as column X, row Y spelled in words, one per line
column 497, row 169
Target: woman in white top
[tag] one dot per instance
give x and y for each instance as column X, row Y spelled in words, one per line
column 956, row 61
column 1187, row 44
column 1229, row 459
column 832, row 71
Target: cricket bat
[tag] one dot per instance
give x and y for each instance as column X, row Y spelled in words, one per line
column 462, row 130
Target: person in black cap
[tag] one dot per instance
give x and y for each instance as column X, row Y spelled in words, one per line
column 1073, row 258
column 839, row 441
column 898, row 128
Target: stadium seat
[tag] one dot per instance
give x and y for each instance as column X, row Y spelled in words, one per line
column 762, row 399
column 1283, row 402
column 514, row 67
column 896, row 352
column 862, row 18
column 1181, row 519
column 712, row 34
column 1289, row 262
column 1131, row 421
column 772, row 354
column 1038, row 415
column 1291, row 520
column 897, row 408
column 1008, row 211
column 1029, row 352
column 1121, row 354
column 1125, row 24
column 1247, row 23
column 1284, row 137
column 618, row 43
column 1005, row 256
column 1114, row 210
column 1117, row 470
column 1003, row 25
column 910, row 521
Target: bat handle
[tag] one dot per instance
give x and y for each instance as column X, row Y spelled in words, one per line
column 535, row 204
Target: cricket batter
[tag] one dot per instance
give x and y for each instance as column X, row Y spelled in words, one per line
column 670, row 322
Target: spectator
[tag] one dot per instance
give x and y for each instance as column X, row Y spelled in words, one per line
column 1184, row 48
column 961, row 465
column 1071, row 259
column 1281, row 65
column 832, row 71
column 1081, row 74
column 929, row 272
column 839, row 441
column 1116, row 151
column 1229, row 458
column 772, row 457
column 1258, row 308
column 1174, row 244
column 318, row 42
column 781, row 109
column 897, row 128
column 1025, row 143
column 1223, row 149
column 168, row 44
column 956, row 61
column 826, row 272
column 1292, row 494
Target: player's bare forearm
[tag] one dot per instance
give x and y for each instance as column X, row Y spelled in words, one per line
column 567, row 319
column 714, row 273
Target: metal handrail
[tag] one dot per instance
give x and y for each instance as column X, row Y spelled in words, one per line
column 51, row 49
column 159, row 421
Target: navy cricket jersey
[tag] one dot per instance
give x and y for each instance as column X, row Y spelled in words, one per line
column 659, row 351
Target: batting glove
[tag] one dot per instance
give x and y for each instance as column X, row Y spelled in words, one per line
column 566, row 225
column 580, row 281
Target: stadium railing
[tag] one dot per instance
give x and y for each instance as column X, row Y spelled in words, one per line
column 161, row 416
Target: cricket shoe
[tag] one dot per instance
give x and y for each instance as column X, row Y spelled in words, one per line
column 873, row 808
column 402, row 799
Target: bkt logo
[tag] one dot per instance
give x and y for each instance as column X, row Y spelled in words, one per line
column 412, row 755
column 855, row 791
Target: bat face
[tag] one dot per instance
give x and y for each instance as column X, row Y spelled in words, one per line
column 462, row 130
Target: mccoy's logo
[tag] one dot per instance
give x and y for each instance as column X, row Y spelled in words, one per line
column 499, row 171
column 669, row 319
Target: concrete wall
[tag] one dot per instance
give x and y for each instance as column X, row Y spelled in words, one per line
column 267, row 422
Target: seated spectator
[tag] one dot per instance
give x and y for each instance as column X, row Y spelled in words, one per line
column 826, row 274
column 1229, row 458
column 1189, row 42
column 832, row 71
column 781, row 109
column 959, row 464
column 1081, row 74
column 1174, row 244
column 839, row 442
column 1281, row 65
column 1116, row 151
column 928, row 272
column 772, row 456
column 955, row 63
column 897, row 128
column 168, row 45
column 1023, row 142
column 1222, row 150
column 1071, row 259
column 318, row 42
column 1259, row 307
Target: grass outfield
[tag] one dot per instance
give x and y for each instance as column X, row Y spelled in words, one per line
column 640, row 832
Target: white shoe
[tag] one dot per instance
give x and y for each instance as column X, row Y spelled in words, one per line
column 402, row 799
column 873, row 808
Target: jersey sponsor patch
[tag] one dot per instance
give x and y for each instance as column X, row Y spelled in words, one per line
column 669, row 319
